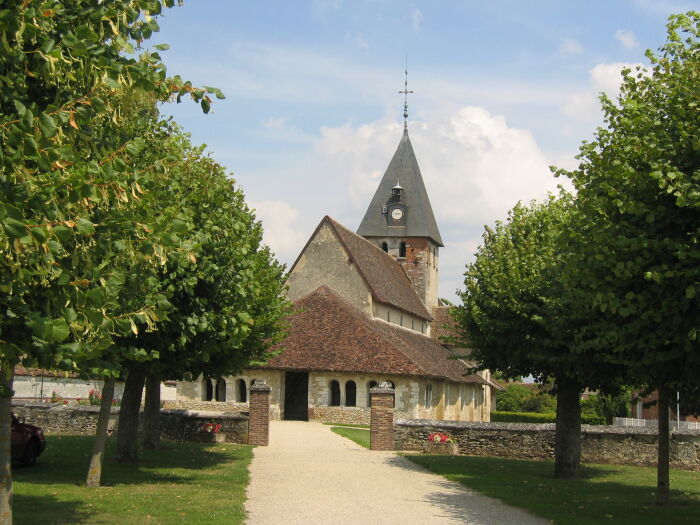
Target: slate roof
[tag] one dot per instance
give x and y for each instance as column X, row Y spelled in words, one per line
column 327, row 334
column 420, row 221
column 384, row 276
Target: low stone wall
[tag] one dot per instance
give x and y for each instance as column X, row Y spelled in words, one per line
column 57, row 418
column 347, row 415
column 181, row 425
column 216, row 406
column 599, row 444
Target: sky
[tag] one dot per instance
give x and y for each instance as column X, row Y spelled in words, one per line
column 312, row 115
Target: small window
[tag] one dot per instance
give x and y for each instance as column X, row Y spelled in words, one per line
column 207, row 389
column 428, row 395
column 385, row 247
column 350, row 394
column 221, row 390
column 242, row 391
column 402, row 249
column 335, row 394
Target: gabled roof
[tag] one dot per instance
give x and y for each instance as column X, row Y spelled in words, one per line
column 327, row 334
column 420, row 221
column 384, row 276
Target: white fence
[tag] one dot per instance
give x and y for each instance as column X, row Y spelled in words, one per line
column 653, row 423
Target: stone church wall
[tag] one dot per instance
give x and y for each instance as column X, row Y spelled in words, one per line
column 450, row 401
column 190, row 394
column 324, row 261
column 397, row 317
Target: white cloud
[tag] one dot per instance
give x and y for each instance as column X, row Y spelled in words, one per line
column 416, row 18
column 475, row 167
column 278, row 218
column 583, row 105
column 570, row 47
column 627, row 38
column 362, row 42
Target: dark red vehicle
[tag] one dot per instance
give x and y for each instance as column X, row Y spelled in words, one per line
column 28, row 441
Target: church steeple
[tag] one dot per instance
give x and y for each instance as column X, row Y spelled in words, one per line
column 417, row 219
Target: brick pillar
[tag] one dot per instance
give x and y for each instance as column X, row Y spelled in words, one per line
column 259, row 419
column 381, row 426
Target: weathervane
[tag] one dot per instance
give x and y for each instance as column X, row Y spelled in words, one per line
column 405, row 93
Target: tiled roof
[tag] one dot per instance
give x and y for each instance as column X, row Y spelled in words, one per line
column 443, row 324
column 385, row 277
column 420, row 221
column 327, row 334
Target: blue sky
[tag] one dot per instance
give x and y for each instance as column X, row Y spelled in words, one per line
column 503, row 89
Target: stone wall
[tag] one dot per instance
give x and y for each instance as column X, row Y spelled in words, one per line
column 347, row 415
column 600, row 444
column 57, row 418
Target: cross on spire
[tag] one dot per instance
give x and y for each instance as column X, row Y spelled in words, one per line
column 405, row 93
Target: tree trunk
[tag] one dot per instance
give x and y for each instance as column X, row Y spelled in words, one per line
column 151, row 413
column 662, row 467
column 567, row 441
column 94, row 474
column 6, row 378
column 127, row 431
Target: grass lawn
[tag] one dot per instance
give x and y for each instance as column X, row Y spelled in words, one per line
column 181, row 483
column 604, row 494
column 358, row 435
column 351, row 425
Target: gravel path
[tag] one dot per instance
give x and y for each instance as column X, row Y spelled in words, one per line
column 309, row 475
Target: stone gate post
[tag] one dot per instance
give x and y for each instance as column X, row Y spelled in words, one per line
column 381, row 426
column 259, row 419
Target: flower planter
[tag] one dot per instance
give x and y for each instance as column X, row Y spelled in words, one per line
column 209, row 437
column 445, row 449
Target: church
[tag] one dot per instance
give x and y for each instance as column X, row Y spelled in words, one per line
column 366, row 310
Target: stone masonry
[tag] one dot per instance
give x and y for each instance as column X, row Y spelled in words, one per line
column 259, row 424
column 600, row 443
column 381, row 429
column 57, row 418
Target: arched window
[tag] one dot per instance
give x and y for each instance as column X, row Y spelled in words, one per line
column 370, row 385
column 402, row 249
column 350, row 394
column 335, row 394
column 221, row 390
column 385, row 247
column 242, row 391
column 207, row 389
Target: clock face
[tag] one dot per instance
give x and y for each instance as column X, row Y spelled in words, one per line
column 396, row 214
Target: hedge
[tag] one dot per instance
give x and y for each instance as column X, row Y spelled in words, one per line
column 537, row 417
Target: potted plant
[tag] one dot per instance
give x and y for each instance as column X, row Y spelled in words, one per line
column 439, row 443
column 210, row 433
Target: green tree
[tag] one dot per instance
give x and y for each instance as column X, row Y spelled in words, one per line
column 638, row 187
column 518, row 318
column 227, row 300
column 60, row 257
column 512, row 398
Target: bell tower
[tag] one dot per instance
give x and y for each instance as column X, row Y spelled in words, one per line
column 400, row 219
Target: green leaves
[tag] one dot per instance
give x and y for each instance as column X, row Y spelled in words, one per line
column 47, row 126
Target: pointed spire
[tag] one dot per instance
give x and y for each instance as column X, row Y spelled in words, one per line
column 405, row 93
column 403, row 170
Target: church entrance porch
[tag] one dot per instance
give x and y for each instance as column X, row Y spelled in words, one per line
column 296, row 396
